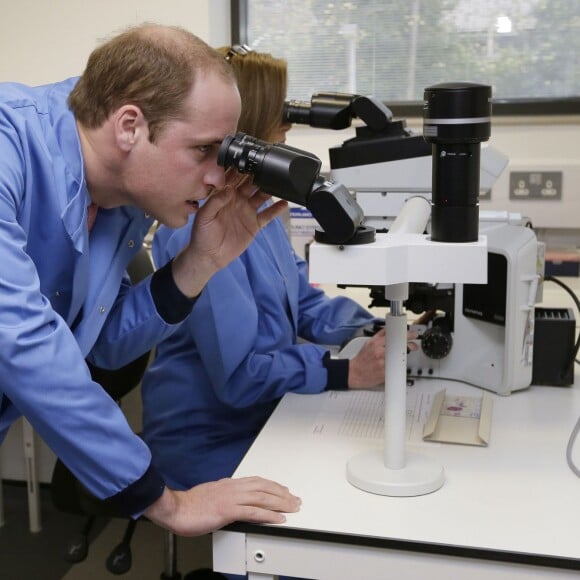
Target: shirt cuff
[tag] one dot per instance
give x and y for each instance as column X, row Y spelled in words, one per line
column 337, row 369
column 137, row 497
column 172, row 305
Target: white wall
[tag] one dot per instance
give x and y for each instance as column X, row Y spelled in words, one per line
column 43, row 41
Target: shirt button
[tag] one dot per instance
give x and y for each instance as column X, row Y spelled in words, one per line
column 131, row 243
column 102, row 309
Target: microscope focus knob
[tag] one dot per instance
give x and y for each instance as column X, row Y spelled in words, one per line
column 436, row 342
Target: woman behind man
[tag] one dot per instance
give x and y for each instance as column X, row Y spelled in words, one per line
column 215, row 382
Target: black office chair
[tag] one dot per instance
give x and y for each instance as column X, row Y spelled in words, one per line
column 70, row 496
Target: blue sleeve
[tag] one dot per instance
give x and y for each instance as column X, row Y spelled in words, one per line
column 247, row 365
column 42, row 370
column 143, row 315
column 251, row 354
column 244, row 365
column 326, row 320
column 167, row 243
column 133, row 327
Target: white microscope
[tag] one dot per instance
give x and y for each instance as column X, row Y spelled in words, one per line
column 478, row 334
column 457, row 119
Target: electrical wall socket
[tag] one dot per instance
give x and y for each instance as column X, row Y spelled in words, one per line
column 545, row 209
column 535, row 185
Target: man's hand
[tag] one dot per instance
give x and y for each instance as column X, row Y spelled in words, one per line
column 224, row 227
column 367, row 368
column 211, row 506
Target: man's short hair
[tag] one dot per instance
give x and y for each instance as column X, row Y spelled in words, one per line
column 150, row 66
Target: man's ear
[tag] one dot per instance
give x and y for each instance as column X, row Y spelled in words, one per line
column 130, row 125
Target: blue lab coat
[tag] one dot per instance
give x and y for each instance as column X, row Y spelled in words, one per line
column 60, row 303
column 216, row 381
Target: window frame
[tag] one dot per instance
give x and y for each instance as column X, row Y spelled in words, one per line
column 532, row 107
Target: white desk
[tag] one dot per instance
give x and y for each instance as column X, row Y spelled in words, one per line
column 507, row 511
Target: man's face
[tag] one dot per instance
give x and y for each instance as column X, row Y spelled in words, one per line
column 168, row 178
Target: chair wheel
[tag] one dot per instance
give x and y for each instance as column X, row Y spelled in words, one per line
column 77, row 550
column 120, row 559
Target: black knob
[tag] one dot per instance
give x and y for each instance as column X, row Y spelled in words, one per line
column 436, row 342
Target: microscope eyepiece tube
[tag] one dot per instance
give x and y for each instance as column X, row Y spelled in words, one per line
column 294, row 175
column 277, row 168
column 296, row 112
column 456, row 119
column 325, row 110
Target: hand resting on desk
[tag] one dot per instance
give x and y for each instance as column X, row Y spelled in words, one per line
column 210, row 506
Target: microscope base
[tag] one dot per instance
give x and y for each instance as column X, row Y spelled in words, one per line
column 419, row 476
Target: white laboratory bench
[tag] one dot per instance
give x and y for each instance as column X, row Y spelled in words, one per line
column 509, row 510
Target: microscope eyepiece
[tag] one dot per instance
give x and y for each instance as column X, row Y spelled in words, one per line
column 277, row 168
column 225, row 152
column 293, row 175
column 296, row 112
column 325, row 110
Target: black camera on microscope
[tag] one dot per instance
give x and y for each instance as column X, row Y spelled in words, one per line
column 294, row 175
column 456, row 119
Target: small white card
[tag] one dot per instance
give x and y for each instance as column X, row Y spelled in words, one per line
column 459, row 419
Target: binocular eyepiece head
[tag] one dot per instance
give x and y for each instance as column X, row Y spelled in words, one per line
column 294, row 175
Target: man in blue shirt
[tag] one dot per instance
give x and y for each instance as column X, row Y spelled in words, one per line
column 134, row 139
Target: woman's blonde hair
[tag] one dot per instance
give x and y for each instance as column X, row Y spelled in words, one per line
column 262, row 82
